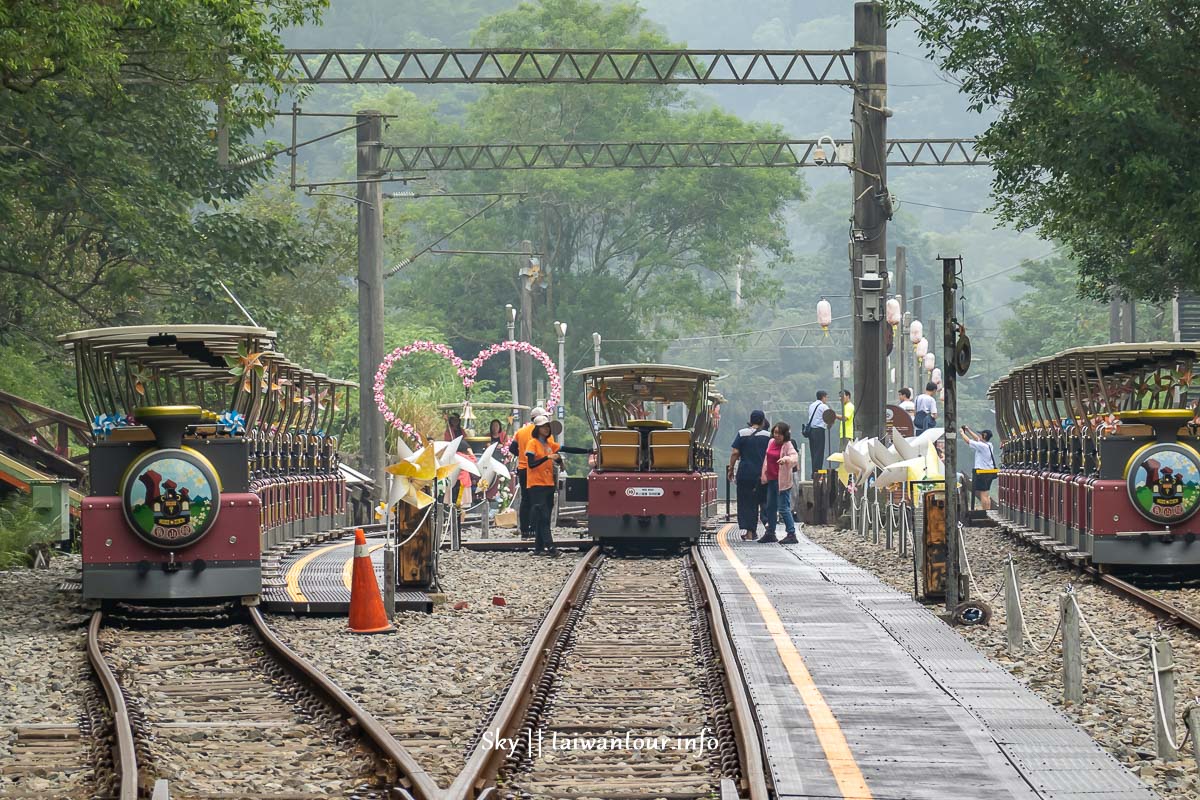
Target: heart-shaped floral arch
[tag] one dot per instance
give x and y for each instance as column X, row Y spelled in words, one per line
column 466, row 371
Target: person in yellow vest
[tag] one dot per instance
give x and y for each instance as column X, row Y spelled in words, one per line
column 541, row 455
column 847, row 416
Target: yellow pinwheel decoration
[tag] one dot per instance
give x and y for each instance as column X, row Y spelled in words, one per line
column 411, row 475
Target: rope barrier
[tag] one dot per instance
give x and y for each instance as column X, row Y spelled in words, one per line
column 1025, row 627
column 962, row 545
column 1087, row 626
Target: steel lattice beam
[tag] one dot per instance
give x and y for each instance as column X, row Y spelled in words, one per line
column 789, row 153
column 551, row 65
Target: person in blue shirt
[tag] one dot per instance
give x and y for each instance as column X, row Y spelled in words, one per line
column 749, row 450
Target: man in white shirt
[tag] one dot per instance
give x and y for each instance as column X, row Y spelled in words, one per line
column 816, row 431
column 906, row 401
column 985, row 459
column 926, row 408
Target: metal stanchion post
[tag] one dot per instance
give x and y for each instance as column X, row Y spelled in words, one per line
column 455, row 527
column 389, row 568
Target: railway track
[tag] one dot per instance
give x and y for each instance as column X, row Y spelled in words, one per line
column 227, row 710
column 622, row 695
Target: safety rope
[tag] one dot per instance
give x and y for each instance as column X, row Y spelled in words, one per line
column 962, row 546
column 1087, row 626
column 1025, row 627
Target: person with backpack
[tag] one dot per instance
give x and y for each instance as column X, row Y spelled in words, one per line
column 985, row 459
column 776, row 476
column 926, row 405
column 815, row 429
column 749, row 450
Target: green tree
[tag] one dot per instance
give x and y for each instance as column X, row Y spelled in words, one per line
column 1094, row 144
column 108, row 151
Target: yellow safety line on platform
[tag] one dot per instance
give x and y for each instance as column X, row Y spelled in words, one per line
column 293, row 573
column 348, row 567
column 829, row 733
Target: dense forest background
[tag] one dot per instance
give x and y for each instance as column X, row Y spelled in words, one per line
column 675, row 265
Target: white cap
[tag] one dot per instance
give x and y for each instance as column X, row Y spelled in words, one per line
column 541, row 419
column 537, row 411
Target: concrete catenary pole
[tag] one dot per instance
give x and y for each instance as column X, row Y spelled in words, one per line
column 868, row 247
column 370, row 292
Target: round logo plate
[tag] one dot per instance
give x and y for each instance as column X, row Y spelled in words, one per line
column 171, row 497
column 1164, row 482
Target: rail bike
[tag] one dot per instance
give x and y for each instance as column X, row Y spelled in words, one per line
column 1100, row 452
column 653, row 425
column 210, row 447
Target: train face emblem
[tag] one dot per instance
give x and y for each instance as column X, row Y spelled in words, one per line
column 1164, row 482
column 171, row 498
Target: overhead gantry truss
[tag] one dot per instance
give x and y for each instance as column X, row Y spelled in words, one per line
column 561, row 65
column 787, row 153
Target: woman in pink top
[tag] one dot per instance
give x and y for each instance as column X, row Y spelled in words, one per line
column 777, row 475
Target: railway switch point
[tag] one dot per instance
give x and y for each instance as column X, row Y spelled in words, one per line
column 366, row 604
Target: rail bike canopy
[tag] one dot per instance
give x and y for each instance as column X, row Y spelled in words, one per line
column 229, row 371
column 1094, row 386
column 627, row 395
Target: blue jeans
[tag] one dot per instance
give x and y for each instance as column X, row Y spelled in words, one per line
column 779, row 504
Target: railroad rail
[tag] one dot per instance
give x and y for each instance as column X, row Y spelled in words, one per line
column 223, row 676
column 572, row 641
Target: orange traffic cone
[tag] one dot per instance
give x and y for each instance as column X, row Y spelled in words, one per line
column 366, row 605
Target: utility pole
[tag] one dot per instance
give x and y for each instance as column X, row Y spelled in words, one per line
column 950, row 415
column 868, row 246
column 370, row 292
column 596, row 349
column 527, row 281
column 900, row 340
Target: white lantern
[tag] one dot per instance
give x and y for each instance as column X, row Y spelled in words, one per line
column 922, row 347
column 936, row 376
column 893, row 311
column 916, row 331
column 929, row 362
column 824, row 314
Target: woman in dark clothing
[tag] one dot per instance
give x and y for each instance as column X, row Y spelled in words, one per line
column 454, row 428
column 497, row 434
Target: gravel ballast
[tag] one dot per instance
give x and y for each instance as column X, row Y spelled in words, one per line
column 435, row 680
column 45, row 678
column 1118, row 697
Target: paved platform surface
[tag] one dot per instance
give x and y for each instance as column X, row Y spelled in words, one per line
column 862, row 693
column 316, row 580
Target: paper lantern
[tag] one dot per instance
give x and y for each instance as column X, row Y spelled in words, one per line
column 824, row 314
column 922, row 347
column 916, row 331
column 929, row 362
column 893, row 311
column 936, row 377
